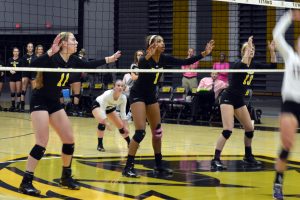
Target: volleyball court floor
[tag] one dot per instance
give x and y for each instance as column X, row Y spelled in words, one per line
column 187, row 149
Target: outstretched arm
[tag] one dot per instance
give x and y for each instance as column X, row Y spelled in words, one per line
column 97, row 63
column 172, row 61
column 278, row 33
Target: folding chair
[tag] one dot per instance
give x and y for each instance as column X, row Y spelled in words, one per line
column 165, row 100
column 97, row 90
column 110, row 86
column 178, row 101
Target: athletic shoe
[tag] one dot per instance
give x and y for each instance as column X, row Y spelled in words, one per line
column 130, row 172
column 277, row 191
column 29, row 189
column 162, row 171
column 217, row 165
column 67, row 181
column 100, row 148
column 250, row 160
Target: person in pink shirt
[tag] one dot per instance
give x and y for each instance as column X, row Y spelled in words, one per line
column 209, row 83
column 208, row 91
column 189, row 79
column 223, row 76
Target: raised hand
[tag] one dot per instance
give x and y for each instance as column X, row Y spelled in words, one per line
column 55, row 45
column 114, row 57
column 296, row 15
column 271, row 45
column 209, row 47
column 151, row 50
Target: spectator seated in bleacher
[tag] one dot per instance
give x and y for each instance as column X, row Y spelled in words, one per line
column 208, row 91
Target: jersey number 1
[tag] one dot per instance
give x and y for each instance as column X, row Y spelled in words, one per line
column 156, row 77
column 63, row 80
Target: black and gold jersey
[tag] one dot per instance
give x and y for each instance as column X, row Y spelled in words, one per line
column 53, row 81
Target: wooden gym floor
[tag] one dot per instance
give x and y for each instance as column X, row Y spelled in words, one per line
column 188, row 150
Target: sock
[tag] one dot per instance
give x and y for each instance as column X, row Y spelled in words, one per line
column 100, row 142
column 248, row 151
column 22, row 104
column 158, row 158
column 279, row 178
column 130, row 161
column 127, row 139
column 28, row 177
column 217, row 154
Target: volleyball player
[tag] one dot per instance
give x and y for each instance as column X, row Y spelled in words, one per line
column 143, row 101
column 129, row 79
column 290, row 108
column 15, row 78
column 232, row 105
column 46, row 109
column 104, row 109
column 26, row 76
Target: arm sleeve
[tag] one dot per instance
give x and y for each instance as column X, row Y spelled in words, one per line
column 42, row 61
column 278, row 35
column 92, row 64
column 172, row 61
column 123, row 108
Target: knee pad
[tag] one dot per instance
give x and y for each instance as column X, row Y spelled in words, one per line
column 139, row 135
column 249, row 134
column 284, row 154
column 23, row 92
column 157, row 133
column 19, row 94
column 37, row 152
column 68, row 149
column 13, row 94
column 77, row 96
column 101, row 127
column 121, row 130
column 226, row 134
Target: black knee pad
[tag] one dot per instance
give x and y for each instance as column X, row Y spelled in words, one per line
column 249, row 134
column 226, row 133
column 139, row 135
column 284, row 154
column 23, row 92
column 13, row 94
column 68, row 149
column 77, row 96
column 101, row 127
column 121, row 130
column 37, row 152
column 19, row 94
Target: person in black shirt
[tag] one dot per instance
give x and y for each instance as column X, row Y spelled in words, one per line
column 232, row 105
column 15, row 80
column 46, row 109
column 143, row 101
column 26, row 76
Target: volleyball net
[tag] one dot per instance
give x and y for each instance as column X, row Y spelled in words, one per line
column 103, row 26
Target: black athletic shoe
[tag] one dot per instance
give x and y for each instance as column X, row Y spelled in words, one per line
column 130, row 172
column 27, row 188
column 217, row 165
column 250, row 160
column 22, row 109
column 67, row 181
column 100, row 148
column 162, row 171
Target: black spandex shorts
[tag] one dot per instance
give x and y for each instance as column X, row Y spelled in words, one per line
column 236, row 101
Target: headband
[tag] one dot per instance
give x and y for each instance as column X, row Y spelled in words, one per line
column 152, row 37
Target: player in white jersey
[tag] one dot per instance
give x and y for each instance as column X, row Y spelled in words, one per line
column 290, row 109
column 104, row 108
